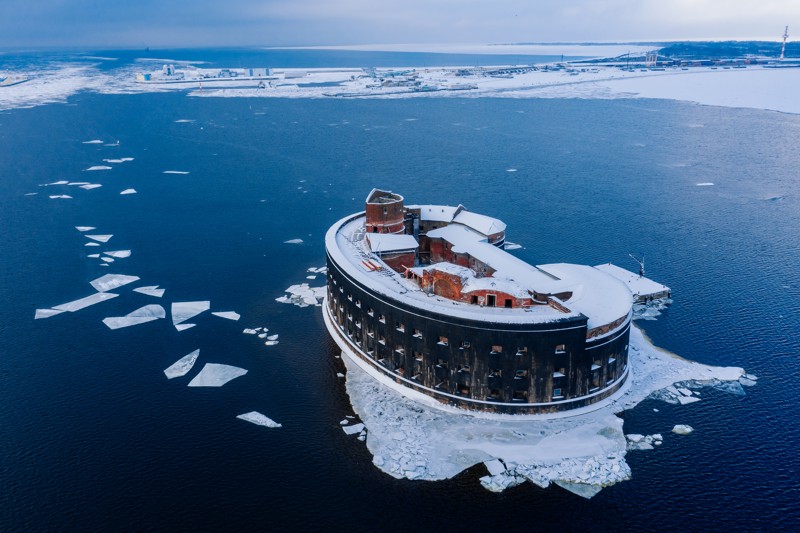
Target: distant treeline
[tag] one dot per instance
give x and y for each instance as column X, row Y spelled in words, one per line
column 728, row 49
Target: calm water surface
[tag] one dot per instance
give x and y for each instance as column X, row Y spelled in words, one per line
column 93, row 437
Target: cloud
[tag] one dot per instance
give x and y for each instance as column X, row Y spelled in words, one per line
column 210, row 23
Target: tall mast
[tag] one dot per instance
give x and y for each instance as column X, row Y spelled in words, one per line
column 785, row 36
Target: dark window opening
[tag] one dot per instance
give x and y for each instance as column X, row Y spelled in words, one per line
column 508, row 303
column 491, row 300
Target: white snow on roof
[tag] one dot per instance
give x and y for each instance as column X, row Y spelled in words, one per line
column 481, row 223
column 389, row 242
column 636, row 284
column 436, row 213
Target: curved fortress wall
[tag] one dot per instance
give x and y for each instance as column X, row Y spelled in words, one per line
column 477, row 365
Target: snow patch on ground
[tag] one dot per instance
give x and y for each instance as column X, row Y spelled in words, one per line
column 581, row 453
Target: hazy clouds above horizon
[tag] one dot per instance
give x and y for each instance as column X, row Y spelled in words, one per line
column 179, row 23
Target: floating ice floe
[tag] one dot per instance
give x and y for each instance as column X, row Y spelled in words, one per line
column 93, row 141
column 129, row 191
column 704, row 184
column 182, row 366
column 272, row 337
column 98, row 167
column 293, row 241
column 181, row 327
column 216, row 375
column 120, row 160
column 495, row 467
column 643, row 442
column 183, row 311
column 175, row 172
column 75, row 305
column 230, row 315
column 92, row 244
column 257, row 418
column 303, row 296
column 109, row 282
column 682, row 429
column 93, row 256
column 511, row 170
column 150, row 290
column 581, row 452
column 85, row 228
column 77, row 183
column 61, row 196
column 262, row 335
column 119, row 254
column 30, row 194
column 511, row 246
column 144, row 314
column 90, row 186
column 59, row 182
column 107, row 259
column 352, row 430
column 271, row 343
column 184, row 121
column 99, row 238
column 250, row 331
column 46, row 313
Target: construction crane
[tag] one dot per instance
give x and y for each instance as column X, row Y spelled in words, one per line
column 785, row 36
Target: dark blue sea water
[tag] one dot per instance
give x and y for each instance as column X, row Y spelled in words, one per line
column 93, row 437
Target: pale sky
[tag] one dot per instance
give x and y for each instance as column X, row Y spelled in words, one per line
column 210, row 23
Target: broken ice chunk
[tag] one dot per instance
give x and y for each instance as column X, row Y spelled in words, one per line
column 293, row 241
column 230, row 315
column 249, row 331
column 273, row 337
column 175, row 172
column 78, row 183
column 129, row 191
column 182, row 366
column 92, row 244
column 682, row 429
column 683, row 400
column 262, row 335
column 216, row 375
column 352, row 430
column 107, row 259
column 181, row 327
column 183, row 311
column 93, row 141
column 150, row 290
column 109, row 282
column 90, row 186
column 77, row 305
column 148, row 313
column 46, row 313
column 99, row 238
column 93, row 256
column 257, row 418
column 59, row 182
column 63, row 196
column 98, row 167
column 495, row 467
column 119, row 254
column 271, row 343
column 85, row 228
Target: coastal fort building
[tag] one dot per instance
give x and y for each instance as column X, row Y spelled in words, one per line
column 427, row 296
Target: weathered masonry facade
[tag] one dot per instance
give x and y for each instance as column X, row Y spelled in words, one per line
column 503, row 360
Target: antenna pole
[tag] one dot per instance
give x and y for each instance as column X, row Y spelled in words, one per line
column 785, row 36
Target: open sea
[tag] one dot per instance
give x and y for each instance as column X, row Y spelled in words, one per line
column 94, row 437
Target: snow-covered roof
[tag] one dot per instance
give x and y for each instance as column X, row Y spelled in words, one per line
column 481, row 223
column 436, row 213
column 636, row 283
column 390, row 242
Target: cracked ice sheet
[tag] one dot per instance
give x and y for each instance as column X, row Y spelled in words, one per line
column 183, row 311
column 182, row 366
column 150, row 290
column 144, row 314
column 230, row 315
column 109, row 282
column 216, row 375
column 257, row 418
column 75, row 305
column 581, row 453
